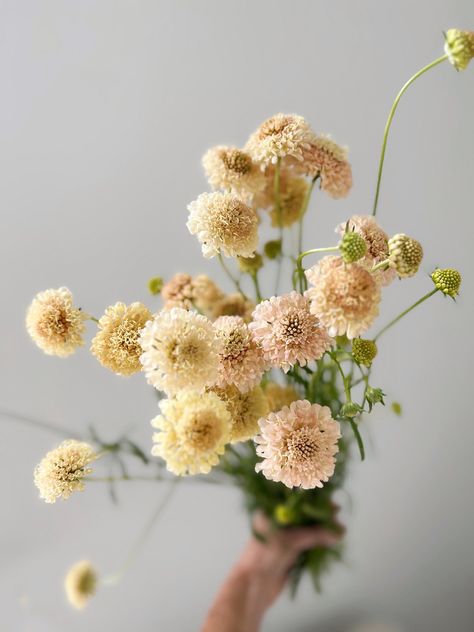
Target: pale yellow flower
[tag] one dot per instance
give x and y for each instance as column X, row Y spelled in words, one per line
column 223, row 224
column 180, row 351
column 279, row 136
column 193, row 431
column 80, row 584
column 245, row 410
column 298, row 445
column 279, row 396
column 62, row 470
column 116, row 344
column 232, row 169
column 54, row 324
column 233, row 305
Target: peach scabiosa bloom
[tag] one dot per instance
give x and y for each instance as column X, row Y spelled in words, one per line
column 223, row 224
column 233, row 169
column 116, row 345
column 279, row 136
column 298, row 445
column 62, row 470
column 193, row 431
column 279, row 396
column 328, row 160
column 288, row 332
column 345, row 297
column 80, row 584
column 241, row 361
column 180, row 351
column 233, row 305
column 54, row 323
column 376, row 240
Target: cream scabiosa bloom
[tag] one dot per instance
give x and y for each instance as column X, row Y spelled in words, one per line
column 232, row 169
column 62, row 470
column 180, row 351
column 279, row 396
column 279, row 136
column 241, row 361
column 345, row 297
column 116, row 345
column 233, row 305
column 288, row 332
column 245, row 410
column 298, row 445
column 223, row 224
column 193, row 431
column 80, row 584
column 54, row 323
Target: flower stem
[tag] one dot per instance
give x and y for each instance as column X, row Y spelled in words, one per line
column 389, row 122
column 96, row 320
column 230, row 275
column 395, row 320
column 256, row 284
column 299, row 261
column 45, row 425
column 303, row 210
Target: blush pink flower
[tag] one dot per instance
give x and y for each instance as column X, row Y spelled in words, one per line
column 345, row 297
column 288, row 332
column 241, row 360
column 298, row 445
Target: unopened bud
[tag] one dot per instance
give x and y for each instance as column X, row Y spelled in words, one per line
column 363, row 351
column 155, row 285
column 405, row 255
column 459, row 47
column 352, row 247
column 447, row 281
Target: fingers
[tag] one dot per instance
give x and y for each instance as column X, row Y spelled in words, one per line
column 305, row 538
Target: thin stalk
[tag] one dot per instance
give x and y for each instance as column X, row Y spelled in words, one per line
column 235, row 281
column 299, row 263
column 304, row 208
column 277, row 202
column 256, row 285
column 143, row 536
column 45, row 425
column 126, row 478
column 96, row 320
column 395, row 320
column 360, row 443
column 389, row 122
column 345, row 381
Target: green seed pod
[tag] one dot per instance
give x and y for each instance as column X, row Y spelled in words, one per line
column 364, row 351
column 272, row 249
column 155, row 285
column 447, row 281
column 352, row 247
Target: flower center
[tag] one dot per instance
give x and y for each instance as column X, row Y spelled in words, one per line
column 302, row 445
column 202, row 432
column 237, row 161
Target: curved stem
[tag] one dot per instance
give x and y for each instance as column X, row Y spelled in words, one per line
column 96, row 320
column 299, row 261
column 389, row 122
column 303, row 210
column 230, row 275
column 45, row 425
column 395, row 320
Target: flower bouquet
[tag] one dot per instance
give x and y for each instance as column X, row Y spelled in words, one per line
column 262, row 388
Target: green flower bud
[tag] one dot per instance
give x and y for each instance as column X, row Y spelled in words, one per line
column 459, row 47
column 447, row 281
column 284, row 515
column 352, row 247
column 272, row 249
column 363, row 351
column 397, row 408
column 155, row 285
column 374, row 396
column 405, row 254
column 351, row 409
column 250, row 265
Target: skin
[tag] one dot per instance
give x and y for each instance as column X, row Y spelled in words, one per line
column 260, row 575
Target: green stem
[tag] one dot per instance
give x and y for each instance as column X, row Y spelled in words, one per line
column 303, row 210
column 299, row 263
column 143, row 536
column 389, row 122
column 256, row 286
column 345, row 381
column 45, row 425
column 230, row 275
column 360, row 443
column 395, row 320
column 96, row 320
column 380, row 264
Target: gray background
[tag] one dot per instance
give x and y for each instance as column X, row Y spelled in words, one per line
column 106, row 109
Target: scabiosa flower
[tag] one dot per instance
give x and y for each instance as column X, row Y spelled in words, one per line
column 233, row 305
column 62, row 470
column 364, row 351
column 279, row 396
column 178, row 291
column 279, row 136
column 180, row 351
column 193, row 431
column 377, row 245
column 54, row 324
column 288, row 332
column 245, row 410
column 405, row 255
column 205, row 293
column 447, row 280
column 292, row 194
column 459, row 47
column 241, row 360
column 345, row 297
column 298, row 445
column 223, row 224
column 327, row 160
column 80, row 584
column 232, row 169
column 117, row 345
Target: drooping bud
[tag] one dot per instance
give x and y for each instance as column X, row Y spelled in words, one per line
column 364, row 351
column 459, row 47
column 351, row 409
column 250, row 265
column 374, row 396
column 447, row 281
column 155, row 285
column 352, row 247
column 405, row 254
column 272, row 249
